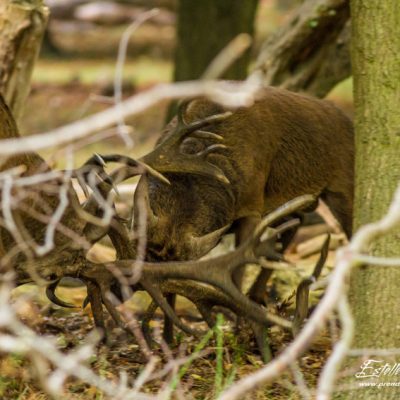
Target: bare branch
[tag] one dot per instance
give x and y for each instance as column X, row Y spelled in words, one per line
column 336, row 289
column 327, row 378
column 229, row 94
column 311, row 52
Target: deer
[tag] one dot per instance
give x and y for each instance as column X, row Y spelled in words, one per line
column 229, row 168
column 214, row 171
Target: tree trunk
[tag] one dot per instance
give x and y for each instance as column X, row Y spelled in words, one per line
column 204, row 28
column 374, row 290
column 22, row 25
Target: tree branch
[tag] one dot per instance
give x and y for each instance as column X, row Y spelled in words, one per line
column 311, row 52
column 22, row 26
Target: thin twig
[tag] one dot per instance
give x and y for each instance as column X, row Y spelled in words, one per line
column 229, row 94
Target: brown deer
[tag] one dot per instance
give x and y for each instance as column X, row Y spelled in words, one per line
column 226, row 170
column 230, row 168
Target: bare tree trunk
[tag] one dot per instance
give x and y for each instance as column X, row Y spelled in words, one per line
column 375, row 290
column 204, row 28
column 311, row 52
column 22, row 26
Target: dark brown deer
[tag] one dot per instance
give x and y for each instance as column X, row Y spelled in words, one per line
column 214, row 186
column 228, row 169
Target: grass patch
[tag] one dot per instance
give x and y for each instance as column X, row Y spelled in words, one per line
column 141, row 71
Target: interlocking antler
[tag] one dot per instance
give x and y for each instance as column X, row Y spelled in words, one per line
column 209, row 282
column 93, row 175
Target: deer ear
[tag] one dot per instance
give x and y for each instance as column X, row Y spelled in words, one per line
column 203, row 244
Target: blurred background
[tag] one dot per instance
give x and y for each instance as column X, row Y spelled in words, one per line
column 74, row 75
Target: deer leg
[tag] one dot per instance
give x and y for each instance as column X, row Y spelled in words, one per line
column 168, row 332
column 94, row 296
column 341, row 206
column 146, row 322
column 245, row 227
column 257, row 290
column 340, row 202
column 261, row 336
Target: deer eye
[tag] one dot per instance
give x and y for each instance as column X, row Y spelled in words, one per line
column 192, row 146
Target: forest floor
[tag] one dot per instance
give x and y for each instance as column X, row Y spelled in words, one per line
column 200, row 377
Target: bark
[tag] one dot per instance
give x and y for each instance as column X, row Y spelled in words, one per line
column 374, row 290
column 205, row 28
column 311, row 52
column 22, row 26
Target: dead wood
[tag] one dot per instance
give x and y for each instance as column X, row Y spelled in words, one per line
column 311, row 52
column 22, row 25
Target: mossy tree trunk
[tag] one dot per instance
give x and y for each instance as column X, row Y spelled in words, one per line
column 22, row 25
column 374, row 290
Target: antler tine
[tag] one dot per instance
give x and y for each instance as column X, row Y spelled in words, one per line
column 205, row 297
column 95, row 228
column 166, row 308
column 211, row 149
column 212, row 119
column 167, row 161
column 183, row 128
column 286, row 209
column 167, row 157
column 138, row 167
column 182, row 107
column 97, row 163
column 51, row 295
column 98, row 294
column 200, row 134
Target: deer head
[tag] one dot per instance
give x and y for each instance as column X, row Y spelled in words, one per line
column 179, row 225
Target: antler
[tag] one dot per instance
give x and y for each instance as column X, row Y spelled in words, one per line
column 93, row 175
column 208, row 282
column 95, row 166
column 167, row 157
